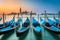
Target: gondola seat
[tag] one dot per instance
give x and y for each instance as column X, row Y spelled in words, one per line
column 38, row 29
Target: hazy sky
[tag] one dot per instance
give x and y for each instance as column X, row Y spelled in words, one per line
column 38, row 6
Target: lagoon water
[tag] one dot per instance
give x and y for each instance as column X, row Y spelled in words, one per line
column 46, row 35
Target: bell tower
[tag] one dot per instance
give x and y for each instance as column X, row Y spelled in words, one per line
column 20, row 10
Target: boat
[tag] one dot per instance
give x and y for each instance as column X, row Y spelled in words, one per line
column 9, row 28
column 6, row 24
column 24, row 29
column 36, row 26
column 50, row 25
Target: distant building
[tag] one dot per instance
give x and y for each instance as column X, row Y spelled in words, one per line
column 25, row 12
column 13, row 13
column 49, row 14
column 32, row 13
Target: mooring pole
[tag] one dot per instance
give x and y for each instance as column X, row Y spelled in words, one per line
column 59, row 15
column 14, row 17
column 45, row 18
column 38, row 17
column 3, row 18
column 21, row 17
column 31, row 19
column 20, row 12
column 18, row 15
column 45, row 15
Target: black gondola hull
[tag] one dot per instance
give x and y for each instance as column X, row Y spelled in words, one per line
column 4, row 32
column 22, row 33
column 38, row 33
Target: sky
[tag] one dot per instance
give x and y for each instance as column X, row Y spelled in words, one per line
column 38, row 6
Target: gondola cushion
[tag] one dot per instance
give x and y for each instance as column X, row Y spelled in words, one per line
column 38, row 28
column 36, row 24
column 47, row 24
column 25, row 24
column 54, row 28
column 21, row 29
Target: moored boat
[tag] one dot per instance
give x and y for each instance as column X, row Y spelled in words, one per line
column 9, row 28
column 36, row 26
column 50, row 25
column 24, row 29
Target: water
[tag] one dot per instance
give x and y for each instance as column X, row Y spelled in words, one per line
column 46, row 35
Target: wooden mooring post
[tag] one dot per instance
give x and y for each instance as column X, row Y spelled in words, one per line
column 3, row 18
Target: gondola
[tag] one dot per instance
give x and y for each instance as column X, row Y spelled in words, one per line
column 9, row 28
column 36, row 26
column 51, row 26
column 24, row 28
column 6, row 24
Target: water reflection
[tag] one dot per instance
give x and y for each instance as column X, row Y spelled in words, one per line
column 23, row 36
column 38, row 37
column 7, row 35
column 54, row 35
